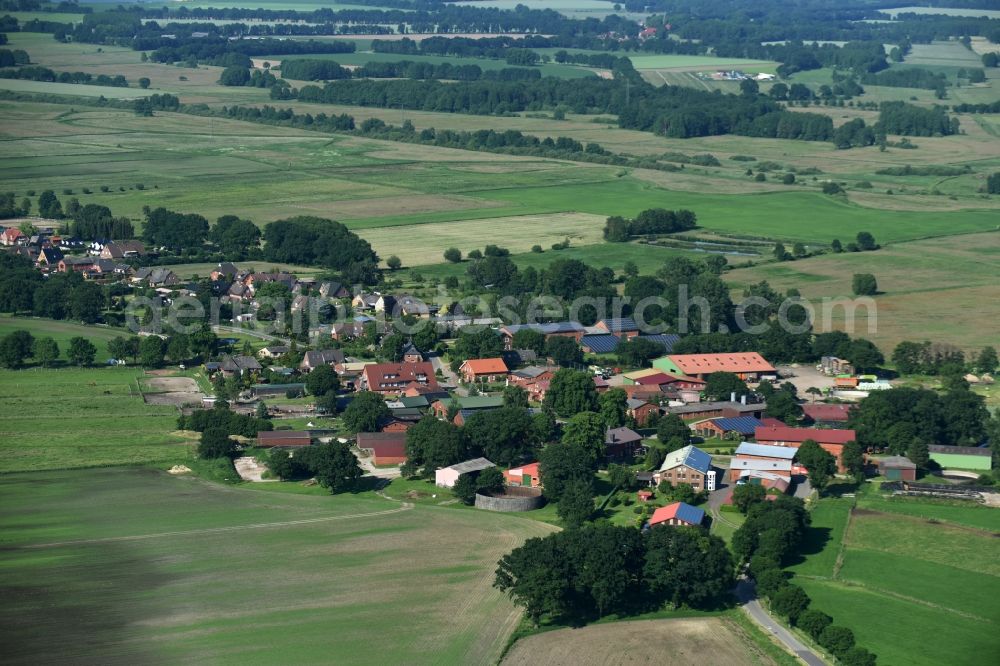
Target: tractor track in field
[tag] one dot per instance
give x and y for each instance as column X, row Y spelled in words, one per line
column 406, row 506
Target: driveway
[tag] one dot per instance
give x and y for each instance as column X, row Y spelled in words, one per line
column 451, row 379
column 747, row 595
column 372, row 470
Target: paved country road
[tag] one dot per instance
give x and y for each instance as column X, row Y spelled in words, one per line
column 747, row 595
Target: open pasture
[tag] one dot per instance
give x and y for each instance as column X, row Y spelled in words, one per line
column 682, row 641
column 126, row 566
column 900, row 578
column 82, row 417
column 956, row 274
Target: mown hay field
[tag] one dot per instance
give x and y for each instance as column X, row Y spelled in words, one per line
column 137, row 566
column 683, row 641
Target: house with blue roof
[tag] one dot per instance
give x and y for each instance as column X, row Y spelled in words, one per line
column 621, row 326
column 600, row 343
column 736, row 427
column 678, row 514
column 689, row 465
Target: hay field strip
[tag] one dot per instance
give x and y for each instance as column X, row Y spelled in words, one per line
column 328, row 581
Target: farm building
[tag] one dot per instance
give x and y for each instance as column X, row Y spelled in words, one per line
column 273, row 351
column 962, row 457
column 824, row 414
column 395, row 378
column 567, row 329
column 532, row 374
column 766, row 480
column 737, row 427
column 484, row 370
column 830, row 440
column 621, row 443
column 446, row 477
column 525, row 475
column 832, row 365
column 761, row 458
column 385, row 448
column 283, row 438
column 623, row 327
column 678, row 514
column 689, row 465
column 261, row 390
column 711, row 410
column 602, row 343
column 897, row 468
column 746, row 365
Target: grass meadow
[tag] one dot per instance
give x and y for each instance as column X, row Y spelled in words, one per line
column 899, row 571
column 62, row 332
column 133, row 565
column 82, row 417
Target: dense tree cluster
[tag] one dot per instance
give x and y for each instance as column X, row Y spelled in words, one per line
column 221, row 417
column 652, row 221
column 913, row 77
column 587, row 573
column 175, row 231
column 892, row 419
column 314, row 241
column 13, row 58
column 909, row 120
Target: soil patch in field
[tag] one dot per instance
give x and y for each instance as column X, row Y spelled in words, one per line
column 679, row 642
column 176, row 391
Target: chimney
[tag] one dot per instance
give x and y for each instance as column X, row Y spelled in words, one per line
column 743, row 399
column 732, row 397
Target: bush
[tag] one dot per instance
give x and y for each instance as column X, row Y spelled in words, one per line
column 831, row 188
column 838, row 640
column 813, row 622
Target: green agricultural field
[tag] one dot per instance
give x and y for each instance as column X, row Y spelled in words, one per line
column 133, row 565
column 829, row 520
column 696, row 62
column 955, row 273
column 62, row 332
column 82, row 417
column 896, row 577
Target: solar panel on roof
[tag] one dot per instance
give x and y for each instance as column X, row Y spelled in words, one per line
column 600, row 344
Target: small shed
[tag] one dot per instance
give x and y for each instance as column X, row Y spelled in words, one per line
column 644, row 495
column 446, row 477
column 283, row 438
column 897, row 468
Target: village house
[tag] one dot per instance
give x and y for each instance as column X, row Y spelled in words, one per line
column 384, row 448
column 531, row 374
column 601, row 343
column 621, row 443
column 225, row 272
column 395, row 378
column 314, row 358
column 525, row 475
column 447, row 477
column 483, row 370
column 738, row 427
column 641, row 411
column 689, row 465
column 711, row 410
column 466, row 404
column 123, row 250
column 678, row 514
column 411, row 354
column 749, row 366
column 49, row 258
column 156, row 277
column 329, row 289
column 239, row 365
column 349, row 330
column 273, row 351
column 12, row 236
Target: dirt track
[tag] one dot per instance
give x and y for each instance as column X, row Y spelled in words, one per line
column 176, row 391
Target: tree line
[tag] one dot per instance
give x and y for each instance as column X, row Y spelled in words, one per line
column 770, row 537
column 325, row 70
column 37, row 73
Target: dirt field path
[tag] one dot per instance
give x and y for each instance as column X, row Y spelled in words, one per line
column 250, row 469
column 680, row 642
column 406, row 506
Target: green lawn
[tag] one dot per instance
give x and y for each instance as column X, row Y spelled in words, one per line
column 82, row 417
column 972, row 515
column 822, row 543
column 62, row 332
column 136, row 566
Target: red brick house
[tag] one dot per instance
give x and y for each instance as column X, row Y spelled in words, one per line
column 396, row 378
column 678, row 514
column 525, row 475
column 828, row 414
column 385, row 448
column 641, row 411
column 621, row 443
column 484, row 370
